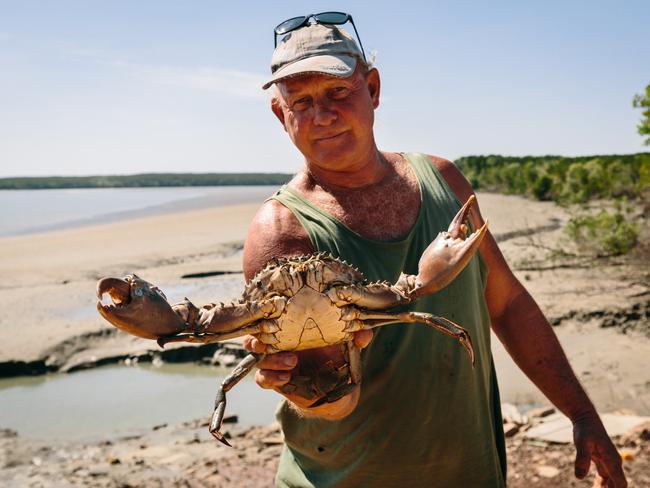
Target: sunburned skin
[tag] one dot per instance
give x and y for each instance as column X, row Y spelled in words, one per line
column 328, row 119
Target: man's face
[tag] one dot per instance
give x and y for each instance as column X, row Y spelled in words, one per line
column 330, row 119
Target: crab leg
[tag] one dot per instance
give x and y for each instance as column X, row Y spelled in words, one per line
column 227, row 321
column 235, row 376
column 209, row 337
column 370, row 320
column 354, row 362
column 374, row 296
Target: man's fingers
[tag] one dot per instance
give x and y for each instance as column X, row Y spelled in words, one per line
column 282, row 361
column 362, row 338
column 599, row 482
column 271, row 379
column 610, row 467
column 252, row 344
column 583, row 460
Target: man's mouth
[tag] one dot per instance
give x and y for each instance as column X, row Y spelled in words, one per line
column 329, row 137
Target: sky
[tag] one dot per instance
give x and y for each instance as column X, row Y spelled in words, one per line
column 123, row 87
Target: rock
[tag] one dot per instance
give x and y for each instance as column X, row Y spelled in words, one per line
column 5, row 433
column 541, row 412
column 273, row 440
column 512, row 415
column 547, row 471
column 639, row 435
column 97, row 470
column 510, row 429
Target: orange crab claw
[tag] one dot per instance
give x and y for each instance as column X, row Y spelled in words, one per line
column 449, row 253
column 138, row 308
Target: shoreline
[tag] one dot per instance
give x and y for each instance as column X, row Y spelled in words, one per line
column 179, row 200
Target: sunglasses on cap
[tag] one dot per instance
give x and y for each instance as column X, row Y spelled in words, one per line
column 327, row 18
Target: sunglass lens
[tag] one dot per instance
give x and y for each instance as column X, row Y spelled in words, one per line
column 332, row 17
column 290, row 24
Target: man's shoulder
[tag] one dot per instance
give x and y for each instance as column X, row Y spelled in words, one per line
column 274, row 232
column 453, row 176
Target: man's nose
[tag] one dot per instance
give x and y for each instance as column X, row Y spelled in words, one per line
column 323, row 114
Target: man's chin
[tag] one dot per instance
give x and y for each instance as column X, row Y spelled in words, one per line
column 334, row 154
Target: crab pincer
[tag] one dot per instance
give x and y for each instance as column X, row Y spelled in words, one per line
column 138, row 308
column 449, row 253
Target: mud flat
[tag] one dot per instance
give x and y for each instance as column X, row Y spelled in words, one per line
column 185, row 455
column 49, row 323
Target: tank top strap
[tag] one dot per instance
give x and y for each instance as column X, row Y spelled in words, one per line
column 321, row 227
column 437, row 196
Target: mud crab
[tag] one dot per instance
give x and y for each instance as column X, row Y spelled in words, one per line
column 298, row 303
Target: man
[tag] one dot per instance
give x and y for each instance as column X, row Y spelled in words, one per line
column 422, row 416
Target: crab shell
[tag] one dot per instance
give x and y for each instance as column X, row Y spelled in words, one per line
column 310, row 318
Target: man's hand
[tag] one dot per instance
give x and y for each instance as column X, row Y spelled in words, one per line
column 593, row 444
column 275, row 370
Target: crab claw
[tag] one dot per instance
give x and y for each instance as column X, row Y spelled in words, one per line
column 138, row 308
column 449, row 253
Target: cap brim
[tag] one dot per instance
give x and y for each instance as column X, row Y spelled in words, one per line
column 339, row 66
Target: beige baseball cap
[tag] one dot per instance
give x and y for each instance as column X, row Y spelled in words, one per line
column 316, row 48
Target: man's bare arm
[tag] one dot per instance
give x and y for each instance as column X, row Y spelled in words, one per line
column 275, row 232
column 521, row 326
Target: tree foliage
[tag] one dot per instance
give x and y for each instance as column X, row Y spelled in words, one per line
column 144, row 180
column 643, row 102
column 562, row 179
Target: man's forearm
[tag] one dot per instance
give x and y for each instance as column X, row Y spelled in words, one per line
column 533, row 345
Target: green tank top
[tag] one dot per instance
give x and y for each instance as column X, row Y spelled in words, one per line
column 425, row 418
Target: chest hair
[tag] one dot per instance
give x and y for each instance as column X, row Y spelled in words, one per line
column 386, row 210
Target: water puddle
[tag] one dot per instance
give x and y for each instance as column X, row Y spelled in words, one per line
column 117, row 400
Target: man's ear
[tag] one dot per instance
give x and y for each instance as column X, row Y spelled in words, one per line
column 276, row 107
column 373, row 82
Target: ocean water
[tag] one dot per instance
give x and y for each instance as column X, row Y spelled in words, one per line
column 29, row 211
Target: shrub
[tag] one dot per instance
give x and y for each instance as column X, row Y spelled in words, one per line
column 605, row 233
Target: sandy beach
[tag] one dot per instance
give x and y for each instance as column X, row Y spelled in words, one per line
column 49, row 323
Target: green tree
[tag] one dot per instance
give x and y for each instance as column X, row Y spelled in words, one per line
column 643, row 102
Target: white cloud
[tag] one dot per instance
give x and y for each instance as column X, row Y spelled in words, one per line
column 233, row 82
column 243, row 84
column 238, row 83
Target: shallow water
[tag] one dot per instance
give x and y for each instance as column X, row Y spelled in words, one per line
column 28, row 211
column 117, row 400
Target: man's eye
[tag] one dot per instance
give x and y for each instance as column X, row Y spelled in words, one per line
column 340, row 92
column 302, row 103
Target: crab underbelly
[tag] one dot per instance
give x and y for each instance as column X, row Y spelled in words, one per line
column 310, row 320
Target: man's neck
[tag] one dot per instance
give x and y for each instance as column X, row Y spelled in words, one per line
column 368, row 171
